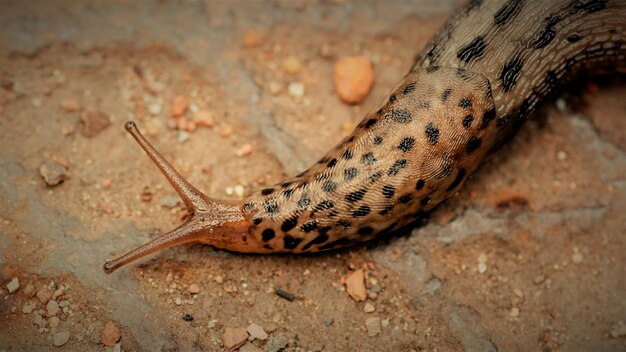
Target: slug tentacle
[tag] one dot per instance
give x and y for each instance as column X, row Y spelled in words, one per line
column 210, row 221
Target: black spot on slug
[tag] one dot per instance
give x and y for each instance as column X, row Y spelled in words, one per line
column 291, row 242
column 324, row 205
column 409, row 88
column 386, row 209
column 432, row 133
column 364, row 231
column 343, row 224
column 472, row 51
column 431, row 69
column 396, row 167
column 388, row 191
column 317, row 240
column 257, row 221
column 378, row 140
column 248, row 207
column 368, row 159
column 465, row 103
column 371, row 122
column 507, row 12
column 510, row 73
column 356, row 195
column 287, row 193
column 375, row 176
column 271, row 206
column 350, row 173
column 267, row 235
column 488, row 116
column 347, row 155
column 289, row 224
column 304, row 202
column 457, row 180
column 267, row 191
column 573, row 38
column 424, row 202
column 424, row 105
column 473, row 144
column 309, row 226
column 332, row 163
column 329, row 186
column 420, row 184
column 590, row 6
column 547, row 34
column 362, row 211
column 467, row 121
column 400, row 115
column 446, row 94
column 405, row 199
column 286, row 184
column 406, row 144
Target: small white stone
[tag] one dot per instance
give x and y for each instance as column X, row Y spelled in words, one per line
column 27, row 308
column 296, row 89
column 373, row 326
column 178, row 301
column 155, row 108
column 482, row 268
column 212, row 323
column 369, row 308
column 54, row 322
column 577, row 258
column 385, row 322
column 561, row 155
column 13, row 285
column 238, row 190
column 60, row 338
column 256, row 332
column 514, row 313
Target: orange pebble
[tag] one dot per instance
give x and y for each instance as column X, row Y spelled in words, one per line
column 353, row 77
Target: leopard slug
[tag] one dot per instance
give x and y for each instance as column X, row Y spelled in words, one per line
column 467, row 92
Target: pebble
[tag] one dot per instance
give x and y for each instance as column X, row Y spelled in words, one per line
column 369, row 308
column 238, row 190
column 170, row 201
column 234, row 338
column 44, row 295
column 276, row 343
column 29, row 290
column 110, row 334
column 94, row 122
column 561, row 155
column 385, row 322
column 53, row 173
column 618, row 329
column 514, row 313
column 355, row 285
column 70, row 104
column 577, row 258
column 373, row 326
column 296, row 89
column 482, row 268
column 194, row 289
column 245, row 149
column 204, row 118
column 292, row 65
column 226, row 130
column 27, row 308
column 285, row 294
column 539, row 279
column 211, row 324
column 155, row 108
column 353, row 77
column 38, row 320
column 178, row 301
column 329, row 322
column 180, row 105
column 54, row 322
column 252, row 39
column 256, row 332
column 13, row 285
column 60, row 338
column 52, row 308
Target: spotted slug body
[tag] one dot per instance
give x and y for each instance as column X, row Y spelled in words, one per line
column 468, row 91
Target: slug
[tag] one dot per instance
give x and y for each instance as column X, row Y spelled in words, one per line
column 466, row 94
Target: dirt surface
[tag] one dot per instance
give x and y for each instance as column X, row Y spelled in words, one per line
column 528, row 256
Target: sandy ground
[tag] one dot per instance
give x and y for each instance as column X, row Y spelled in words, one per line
column 529, row 256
